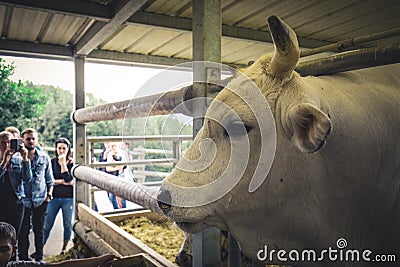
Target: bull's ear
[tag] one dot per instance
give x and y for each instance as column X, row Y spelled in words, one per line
column 310, row 127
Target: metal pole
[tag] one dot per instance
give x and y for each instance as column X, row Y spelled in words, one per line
column 351, row 42
column 91, row 158
column 143, row 196
column 158, row 104
column 352, row 60
column 177, row 150
column 206, row 33
column 82, row 192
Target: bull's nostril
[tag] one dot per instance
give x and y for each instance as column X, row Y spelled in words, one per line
column 164, row 200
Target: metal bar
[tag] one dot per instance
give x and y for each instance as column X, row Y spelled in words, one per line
column 149, row 173
column 206, row 36
column 166, row 161
column 23, row 48
column 147, row 184
column 79, row 130
column 131, row 191
column 351, row 42
column 119, row 211
column 177, row 150
column 353, row 60
column 91, row 158
column 152, row 183
column 100, row 139
column 137, row 151
column 158, row 104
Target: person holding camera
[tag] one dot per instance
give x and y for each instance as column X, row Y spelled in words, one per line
column 14, row 131
column 115, row 154
column 11, row 190
column 62, row 193
column 37, row 192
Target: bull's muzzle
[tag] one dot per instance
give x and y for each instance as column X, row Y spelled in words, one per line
column 164, row 200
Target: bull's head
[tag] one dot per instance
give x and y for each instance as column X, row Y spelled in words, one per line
column 235, row 174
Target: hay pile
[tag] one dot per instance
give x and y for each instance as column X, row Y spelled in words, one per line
column 163, row 237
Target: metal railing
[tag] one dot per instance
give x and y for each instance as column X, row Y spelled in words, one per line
column 141, row 162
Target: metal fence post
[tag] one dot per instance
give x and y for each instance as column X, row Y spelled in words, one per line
column 80, row 156
column 207, row 31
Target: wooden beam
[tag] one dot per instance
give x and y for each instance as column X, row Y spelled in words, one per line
column 97, row 245
column 116, row 237
column 100, row 31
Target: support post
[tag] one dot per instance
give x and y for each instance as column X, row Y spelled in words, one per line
column 177, row 150
column 206, row 32
column 82, row 190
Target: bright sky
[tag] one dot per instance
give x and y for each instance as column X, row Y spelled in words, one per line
column 109, row 82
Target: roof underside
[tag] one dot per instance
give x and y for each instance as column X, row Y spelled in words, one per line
column 159, row 31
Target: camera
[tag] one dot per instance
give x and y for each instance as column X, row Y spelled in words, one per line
column 15, row 143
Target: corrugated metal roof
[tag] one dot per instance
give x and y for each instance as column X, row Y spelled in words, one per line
column 161, row 28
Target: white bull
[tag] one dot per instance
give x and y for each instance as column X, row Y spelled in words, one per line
column 336, row 170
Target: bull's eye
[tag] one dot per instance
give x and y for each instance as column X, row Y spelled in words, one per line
column 236, row 129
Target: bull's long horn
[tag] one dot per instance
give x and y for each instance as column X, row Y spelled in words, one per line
column 287, row 51
column 140, row 195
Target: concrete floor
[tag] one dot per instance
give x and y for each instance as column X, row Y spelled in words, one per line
column 55, row 241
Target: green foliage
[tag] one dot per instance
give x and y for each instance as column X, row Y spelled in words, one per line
column 55, row 122
column 21, row 105
column 48, row 109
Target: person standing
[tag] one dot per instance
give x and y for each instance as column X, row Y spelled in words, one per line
column 11, row 191
column 62, row 193
column 114, row 155
column 36, row 195
column 14, row 131
column 103, row 155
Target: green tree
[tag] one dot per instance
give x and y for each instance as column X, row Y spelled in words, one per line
column 48, row 109
column 55, row 122
column 21, row 105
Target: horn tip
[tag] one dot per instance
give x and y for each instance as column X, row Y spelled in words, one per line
column 273, row 19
